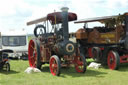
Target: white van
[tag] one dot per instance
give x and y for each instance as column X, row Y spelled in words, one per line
column 15, row 40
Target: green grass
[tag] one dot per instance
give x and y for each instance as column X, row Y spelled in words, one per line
column 102, row 76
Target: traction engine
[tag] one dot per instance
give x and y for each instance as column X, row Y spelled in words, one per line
column 107, row 44
column 54, row 47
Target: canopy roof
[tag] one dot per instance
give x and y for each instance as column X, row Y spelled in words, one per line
column 54, row 18
column 95, row 19
column 100, row 19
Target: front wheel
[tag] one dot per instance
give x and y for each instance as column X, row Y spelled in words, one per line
column 113, row 60
column 55, row 65
column 80, row 63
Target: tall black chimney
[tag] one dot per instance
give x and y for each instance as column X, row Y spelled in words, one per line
column 65, row 22
column 126, row 24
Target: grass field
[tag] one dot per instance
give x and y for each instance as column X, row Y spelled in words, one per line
column 102, row 76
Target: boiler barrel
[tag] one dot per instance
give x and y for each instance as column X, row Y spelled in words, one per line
column 65, row 48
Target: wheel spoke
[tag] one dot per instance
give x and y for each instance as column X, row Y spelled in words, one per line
column 32, row 47
column 31, row 57
column 34, row 64
column 55, row 66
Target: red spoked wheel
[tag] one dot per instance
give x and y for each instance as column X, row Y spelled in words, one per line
column 55, row 65
column 34, row 53
column 80, row 63
column 113, row 60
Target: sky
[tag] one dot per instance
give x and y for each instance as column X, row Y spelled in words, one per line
column 14, row 14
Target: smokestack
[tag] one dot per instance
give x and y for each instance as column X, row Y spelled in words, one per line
column 65, row 22
column 126, row 23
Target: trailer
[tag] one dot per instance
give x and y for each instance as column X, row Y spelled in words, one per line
column 17, row 41
column 108, row 43
column 54, row 47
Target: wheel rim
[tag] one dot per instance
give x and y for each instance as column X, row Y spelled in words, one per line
column 79, row 65
column 111, row 60
column 53, row 66
column 32, row 54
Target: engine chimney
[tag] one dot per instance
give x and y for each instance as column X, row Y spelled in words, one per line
column 65, row 23
column 126, row 23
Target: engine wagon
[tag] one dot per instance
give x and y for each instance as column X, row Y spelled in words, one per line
column 106, row 43
column 53, row 46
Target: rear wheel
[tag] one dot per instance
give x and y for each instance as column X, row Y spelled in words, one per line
column 80, row 63
column 55, row 65
column 96, row 52
column 34, row 54
column 113, row 60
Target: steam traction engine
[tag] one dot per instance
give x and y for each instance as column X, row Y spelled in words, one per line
column 107, row 44
column 55, row 47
